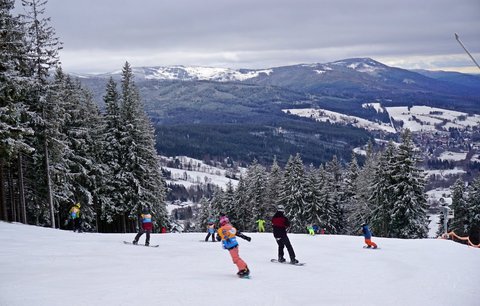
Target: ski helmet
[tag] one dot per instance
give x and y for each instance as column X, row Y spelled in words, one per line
column 224, row 220
column 281, row 208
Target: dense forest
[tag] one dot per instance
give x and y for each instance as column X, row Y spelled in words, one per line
column 57, row 149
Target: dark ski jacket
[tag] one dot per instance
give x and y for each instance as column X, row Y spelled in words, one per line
column 280, row 223
column 366, row 232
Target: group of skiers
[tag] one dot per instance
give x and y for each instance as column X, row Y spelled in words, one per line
column 227, row 234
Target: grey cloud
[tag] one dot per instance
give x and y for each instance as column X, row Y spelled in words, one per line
column 290, row 31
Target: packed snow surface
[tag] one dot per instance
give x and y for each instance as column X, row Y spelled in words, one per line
column 43, row 266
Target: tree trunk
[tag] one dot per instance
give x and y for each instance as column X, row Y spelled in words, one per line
column 2, row 193
column 49, row 185
column 11, row 191
column 21, row 190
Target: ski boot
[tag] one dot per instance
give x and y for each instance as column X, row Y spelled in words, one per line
column 243, row 273
column 147, row 243
column 135, row 242
column 281, row 259
column 294, row 261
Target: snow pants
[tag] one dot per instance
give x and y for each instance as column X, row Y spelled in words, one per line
column 370, row 243
column 208, row 236
column 285, row 242
column 140, row 233
column 234, row 253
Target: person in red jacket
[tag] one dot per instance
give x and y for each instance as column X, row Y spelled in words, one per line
column 147, row 226
column 280, row 224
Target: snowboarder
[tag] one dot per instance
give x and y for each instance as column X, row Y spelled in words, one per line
column 227, row 234
column 261, row 225
column 368, row 236
column 146, row 227
column 210, row 230
column 280, row 224
column 74, row 216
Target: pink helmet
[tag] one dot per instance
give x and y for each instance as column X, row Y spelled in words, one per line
column 224, row 220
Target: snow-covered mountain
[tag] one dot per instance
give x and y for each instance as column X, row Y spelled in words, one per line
column 50, row 267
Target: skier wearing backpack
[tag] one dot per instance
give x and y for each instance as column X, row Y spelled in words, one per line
column 227, row 234
column 368, row 236
column 146, row 227
column 75, row 218
column 280, row 223
column 210, row 230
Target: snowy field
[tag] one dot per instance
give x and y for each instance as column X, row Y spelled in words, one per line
column 42, row 266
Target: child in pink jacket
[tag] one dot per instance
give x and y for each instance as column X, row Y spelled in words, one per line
column 229, row 241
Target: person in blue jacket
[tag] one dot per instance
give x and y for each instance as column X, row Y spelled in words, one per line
column 368, row 236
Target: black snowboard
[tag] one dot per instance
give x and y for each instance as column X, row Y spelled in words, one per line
column 288, row 263
column 151, row 246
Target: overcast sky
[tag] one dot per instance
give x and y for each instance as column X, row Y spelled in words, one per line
column 100, row 35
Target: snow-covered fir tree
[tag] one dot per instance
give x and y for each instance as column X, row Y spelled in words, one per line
column 350, row 197
column 141, row 181
column 294, row 193
column 314, row 208
column 334, row 173
column 409, row 210
column 256, row 205
column 362, row 206
column 43, row 46
column 14, row 113
column 473, row 209
column 381, row 197
column 274, row 179
column 460, row 208
column 241, row 212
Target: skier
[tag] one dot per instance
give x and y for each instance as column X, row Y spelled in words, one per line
column 368, row 236
column 227, row 234
column 210, row 230
column 147, row 226
column 280, row 223
column 74, row 216
column 311, row 231
column 261, row 225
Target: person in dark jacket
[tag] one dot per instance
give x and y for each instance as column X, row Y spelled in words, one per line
column 280, row 224
column 368, row 236
column 147, row 226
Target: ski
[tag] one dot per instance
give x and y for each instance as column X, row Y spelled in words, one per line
column 150, row 246
column 244, row 276
column 377, row 248
column 287, row 262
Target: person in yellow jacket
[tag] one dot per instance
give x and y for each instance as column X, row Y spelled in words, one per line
column 227, row 234
column 74, row 216
column 261, row 225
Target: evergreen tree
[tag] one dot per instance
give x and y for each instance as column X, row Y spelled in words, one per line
column 362, row 206
column 381, row 197
column 43, row 47
column 473, row 209
column 274, row 179
column 256, row 182
column 351, row 196
column 139, row 177
column 14, row 113
column 335, row 181
column 241, row 211
column 409, row 211
column 314, row 207
column 460, row 208
column 294, row 193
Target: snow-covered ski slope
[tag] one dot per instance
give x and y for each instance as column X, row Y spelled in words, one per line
column 42, row 266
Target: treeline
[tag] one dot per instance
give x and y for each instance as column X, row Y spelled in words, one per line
column 316, row 142
column 387, row 192
column 57, row 149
